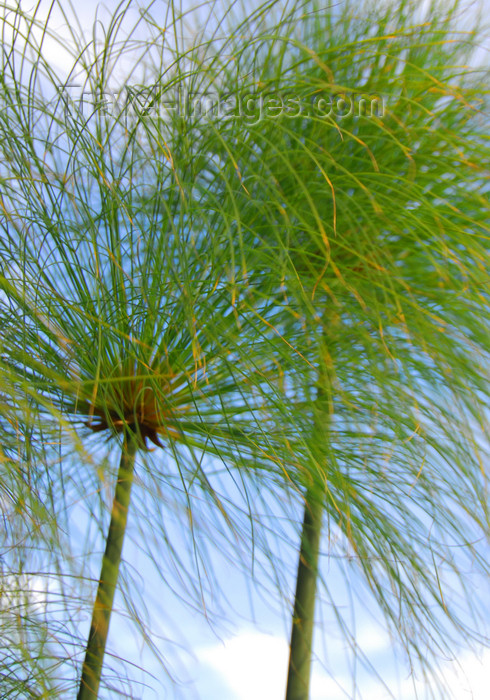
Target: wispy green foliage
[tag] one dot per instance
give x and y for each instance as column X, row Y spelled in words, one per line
column 268, row 244
column 115, row 324
column 365, row 189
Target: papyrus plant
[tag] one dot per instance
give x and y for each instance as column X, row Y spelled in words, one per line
column 361, row 180
column 123, row 351
column 302, row 293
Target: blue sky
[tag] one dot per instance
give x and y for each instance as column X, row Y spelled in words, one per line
column 242, row 653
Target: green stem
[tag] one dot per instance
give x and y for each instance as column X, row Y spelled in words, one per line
column 301, row 645
column 304, row 600
column 94, row 654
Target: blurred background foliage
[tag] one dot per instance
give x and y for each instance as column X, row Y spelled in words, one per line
column 259, row 240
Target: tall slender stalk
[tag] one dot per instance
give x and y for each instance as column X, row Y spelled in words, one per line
column 99, row 628
column 303, row 621
column 304, row 599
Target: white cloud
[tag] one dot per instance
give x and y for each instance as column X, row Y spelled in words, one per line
column 373, row 638
column 252, row 664
column 468, row 677
column 53, row 46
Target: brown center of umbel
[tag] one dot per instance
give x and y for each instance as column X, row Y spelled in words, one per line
column 140, row 412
